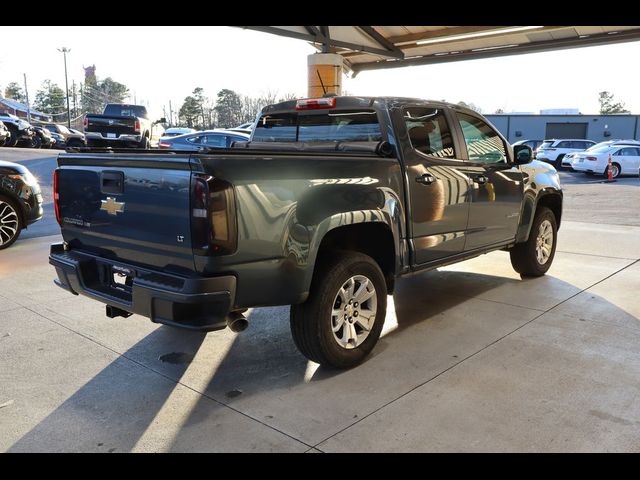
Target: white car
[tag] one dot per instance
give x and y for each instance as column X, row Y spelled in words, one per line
column 175, row 131
column 553, row 151
column 568, row 159
column 625, row 160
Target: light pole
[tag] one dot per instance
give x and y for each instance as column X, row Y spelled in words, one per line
column 64, row 51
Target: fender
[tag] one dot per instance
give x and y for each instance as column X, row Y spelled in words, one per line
column 541, row 185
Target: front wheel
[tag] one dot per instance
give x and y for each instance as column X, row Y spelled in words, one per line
column 534, row 257
column 36, row 142
column 10, row 222
column 342, row 319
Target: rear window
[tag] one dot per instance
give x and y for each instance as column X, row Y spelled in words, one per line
column 126, row 111
column 335, row 125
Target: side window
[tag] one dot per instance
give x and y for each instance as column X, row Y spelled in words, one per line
column 429, row 131
column 483, row 142
column 565, row 144
column 215, row 141
column 196, row 139
column 628, row 152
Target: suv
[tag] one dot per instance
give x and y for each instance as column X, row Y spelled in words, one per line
column 71, row 139
column 553, row 151
column 19, row 129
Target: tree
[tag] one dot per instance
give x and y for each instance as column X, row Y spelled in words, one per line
column 228, row 107
column 189, row 112
column 607, row 105
column 499, row 110
column 14, row 92
column 50, row 98
column 112, row 91
column 198, row 96
column 470, row 105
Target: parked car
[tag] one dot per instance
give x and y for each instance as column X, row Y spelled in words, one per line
column 205, row 139
column 19, row 129
column 41, row 139
column 122, row 125
column 534, row 144
column 60, row 140
column 70, row 139
column 4, row 134
column 20, row 201
column 175, row 131
column 330, row 202
column 567, row 161
column 625, row 160
column 553, row 150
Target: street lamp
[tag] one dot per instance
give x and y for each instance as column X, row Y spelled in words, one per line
column 64, row 51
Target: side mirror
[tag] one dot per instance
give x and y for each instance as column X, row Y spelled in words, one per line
column 522, row 154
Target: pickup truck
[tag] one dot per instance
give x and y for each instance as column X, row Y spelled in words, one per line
column 121, row 125
column 328, row 203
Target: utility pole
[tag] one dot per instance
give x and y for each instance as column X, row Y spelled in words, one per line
column 75, row 108
column 170, row 114
column 26, row 92
column 64, row 51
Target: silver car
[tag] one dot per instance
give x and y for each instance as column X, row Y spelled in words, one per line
column 206, row 139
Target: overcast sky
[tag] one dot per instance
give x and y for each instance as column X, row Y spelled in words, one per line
column 160, row 64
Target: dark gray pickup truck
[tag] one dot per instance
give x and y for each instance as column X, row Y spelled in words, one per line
column 329, row 202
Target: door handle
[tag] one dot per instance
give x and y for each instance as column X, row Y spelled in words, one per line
column 426, row 179
column 481, row 179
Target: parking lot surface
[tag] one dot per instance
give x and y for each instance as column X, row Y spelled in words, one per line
column 472, row 358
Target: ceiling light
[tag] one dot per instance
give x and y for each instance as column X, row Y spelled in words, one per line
column 466, row 36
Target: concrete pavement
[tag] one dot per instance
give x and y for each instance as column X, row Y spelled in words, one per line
column 473, row 358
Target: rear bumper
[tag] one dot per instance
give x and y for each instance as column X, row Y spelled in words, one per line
column 98, row 139
column 193, row 303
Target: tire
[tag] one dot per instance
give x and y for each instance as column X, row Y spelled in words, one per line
column 558, row 162
column 13, row 139
column 74, row 142
column 524, row 256
column 10, row 219
column 312, row 322
column 144, row 144
column 616, row 170
column 36, row 142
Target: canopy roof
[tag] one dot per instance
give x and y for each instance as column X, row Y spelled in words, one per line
column 376, row 47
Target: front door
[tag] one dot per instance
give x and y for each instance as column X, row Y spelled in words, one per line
column 437, row 183
column 496, row 192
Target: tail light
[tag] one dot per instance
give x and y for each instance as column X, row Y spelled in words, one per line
column 85, row 123
column 56, row 195
column 136, row 126
column 593, row 159
column 316, row 103
column 213, row 216
column 164, row 145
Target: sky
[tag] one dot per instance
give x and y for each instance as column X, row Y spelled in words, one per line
column 162, row 64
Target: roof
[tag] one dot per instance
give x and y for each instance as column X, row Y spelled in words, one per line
column 377, row 47
column 20, row 106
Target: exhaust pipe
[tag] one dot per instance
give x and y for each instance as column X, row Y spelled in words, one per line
column 237, row 322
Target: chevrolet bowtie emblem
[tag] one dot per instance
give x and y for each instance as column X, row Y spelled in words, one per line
column 111, row 206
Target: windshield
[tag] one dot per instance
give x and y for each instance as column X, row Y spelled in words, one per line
column 334, row 125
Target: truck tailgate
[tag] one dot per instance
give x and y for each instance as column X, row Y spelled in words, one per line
column 129, row 208
column 110, row 124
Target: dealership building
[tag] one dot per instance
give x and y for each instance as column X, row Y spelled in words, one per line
column 591, row 127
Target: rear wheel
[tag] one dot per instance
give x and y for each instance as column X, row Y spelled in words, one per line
column 144, row 144
column 36, row 142
column 558, row 162
column 10, row 222
column 534, row 257
column 342, row 319
column 615, row 170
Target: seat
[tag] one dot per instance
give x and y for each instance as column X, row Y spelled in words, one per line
column 419, row 137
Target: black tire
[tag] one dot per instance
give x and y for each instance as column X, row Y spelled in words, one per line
column 144, row 143
column 13, row 139
column 312, row 321
column 8, row 211
column 36, row 142
column 558, row 162
column 616, row 170
column 74, row 142
column 524, row 257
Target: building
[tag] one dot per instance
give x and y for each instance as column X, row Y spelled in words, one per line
column 591, row 127
column 20, row 110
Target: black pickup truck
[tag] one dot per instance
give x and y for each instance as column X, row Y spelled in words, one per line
column 121, row 125
column 329, row 202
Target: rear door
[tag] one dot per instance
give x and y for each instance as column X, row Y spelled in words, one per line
column 438, row 184
column 134, row 208
column 629, row 159
column 496, row 192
